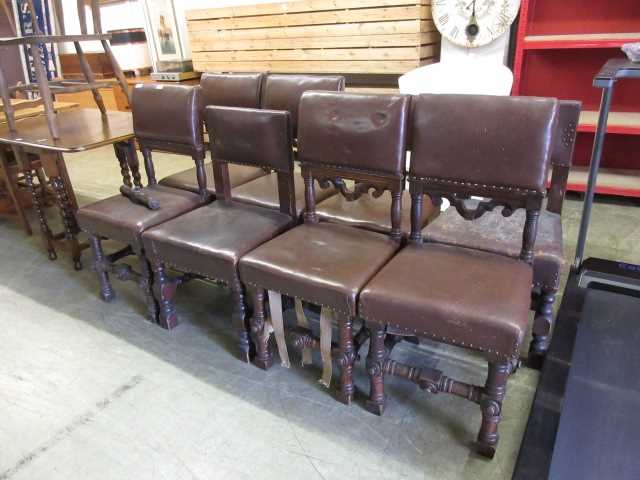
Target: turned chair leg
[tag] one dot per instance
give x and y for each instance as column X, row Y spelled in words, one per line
column 163, row 290
column 375, row 359
column 100, row 267
column 47, row 236
column 491, row 405
column 239, row 320
column 541, row 328
column 146, row 284
column 347, row 358
column 264, row 356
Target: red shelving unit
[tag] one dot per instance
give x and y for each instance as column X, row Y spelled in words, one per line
column 560, row 46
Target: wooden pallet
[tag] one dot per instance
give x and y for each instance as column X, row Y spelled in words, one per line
column 315, row 36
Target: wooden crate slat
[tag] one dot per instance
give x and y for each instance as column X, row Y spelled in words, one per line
column 293, row 7
column 395, row 67
column 317, row 31
column 352, row 41
column 315, row 18
column 394, row 53
column 315, row 36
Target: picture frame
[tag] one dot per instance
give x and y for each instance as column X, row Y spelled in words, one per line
column 168, row 52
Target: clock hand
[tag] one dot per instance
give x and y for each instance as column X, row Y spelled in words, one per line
column 472, row 28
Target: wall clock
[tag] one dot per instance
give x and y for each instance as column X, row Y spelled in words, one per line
column 474, row 23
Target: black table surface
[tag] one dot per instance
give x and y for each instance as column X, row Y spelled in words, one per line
column 599, row 431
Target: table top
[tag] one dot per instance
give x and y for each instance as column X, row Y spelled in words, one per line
column 80, row 129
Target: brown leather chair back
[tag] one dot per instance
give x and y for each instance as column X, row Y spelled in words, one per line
column 493, row 147
column 231, row 89
column 361, row 137
column 483, row 140
column 563, row 143
column 256, row 137
column 283, row 92
column 167, row 117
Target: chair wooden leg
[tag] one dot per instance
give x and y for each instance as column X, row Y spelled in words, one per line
column 4, row 93
column 89, row 77
column 264, row 356
column 491, row 406
column 239, row 320
column 375, row 358
column 101, row 268
column 146, row 285
column 44, row 90
column 347, row 358
column 164, row 290
column 541, row 329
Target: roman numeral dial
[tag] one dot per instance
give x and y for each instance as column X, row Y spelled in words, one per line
column 474, row 23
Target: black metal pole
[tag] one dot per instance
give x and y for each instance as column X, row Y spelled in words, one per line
column 596, row 157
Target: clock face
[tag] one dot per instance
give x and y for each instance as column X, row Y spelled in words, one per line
column 473, row 23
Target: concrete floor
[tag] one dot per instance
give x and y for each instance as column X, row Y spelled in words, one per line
column 92, row 390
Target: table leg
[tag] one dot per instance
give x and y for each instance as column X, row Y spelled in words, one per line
column 50, row 162
column 44, row 184
column 64, row 174
column 45, row 232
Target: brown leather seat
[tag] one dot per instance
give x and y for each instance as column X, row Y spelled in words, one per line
column 132, row 218
column 459, row 296
column 263, row 191
column 465, row 297
column 186, row 180
column 496, row 234
column 318, row 263
column 226, row 90
column 372, row 213
column 209, row 241
column 167, row 119
column 118, row 217
column 342, row 137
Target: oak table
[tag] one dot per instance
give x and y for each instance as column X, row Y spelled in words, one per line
column 10, row 197
column 80, row 130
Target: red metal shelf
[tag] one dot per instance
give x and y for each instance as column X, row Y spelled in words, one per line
column 560, row 46
column 621, row 182
column 622, row 123
column 583, row 40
